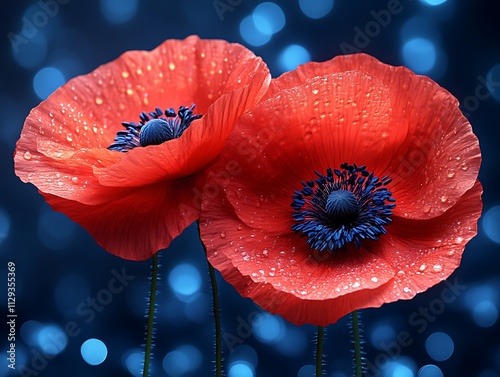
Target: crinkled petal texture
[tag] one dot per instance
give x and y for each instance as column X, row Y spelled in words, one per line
column 355, row 109
column 135, row 203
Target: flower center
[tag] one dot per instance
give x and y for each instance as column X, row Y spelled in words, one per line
column 342, row 207
column 154, row 128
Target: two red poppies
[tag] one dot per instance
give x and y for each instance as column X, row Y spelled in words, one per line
column 352, row 183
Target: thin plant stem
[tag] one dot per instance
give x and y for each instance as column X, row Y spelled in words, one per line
column 151, row 316
column 218, row 336
column 319, row 351
column 356, row 334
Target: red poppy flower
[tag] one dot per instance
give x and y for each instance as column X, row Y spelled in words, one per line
column 72, row 145
column 308, row 236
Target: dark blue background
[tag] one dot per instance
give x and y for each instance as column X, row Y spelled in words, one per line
column 59, row 265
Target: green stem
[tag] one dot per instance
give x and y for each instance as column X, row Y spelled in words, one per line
column 218, row 336
column 151, row 315
column 319, row 351
column 357, row 344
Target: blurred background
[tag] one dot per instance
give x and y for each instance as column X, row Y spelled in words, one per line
column 69, row 322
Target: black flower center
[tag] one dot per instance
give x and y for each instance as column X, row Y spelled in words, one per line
column 154, row 128
column 345, row 206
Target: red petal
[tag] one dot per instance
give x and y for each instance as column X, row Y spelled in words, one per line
column 426, row 252
column 139, row 222
column 255, row 262
column 388, row 270
column 285, row 139
column 439, row 150
column 86, row 113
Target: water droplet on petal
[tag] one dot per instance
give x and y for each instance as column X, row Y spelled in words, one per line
column 124, row 74
column 423, row 267
column 437, row 268
column 451, row 174
column 99, row 100
column 427, row 209
column 444, row 198
column 406, row 290
column 171, row 66
column 74, row 179
column 315, row 91
column 27, row 155
column 69, row 138
column 223, row 235
column 240, row 226
column 356, row 284
column 374, row 279
column 459, row 239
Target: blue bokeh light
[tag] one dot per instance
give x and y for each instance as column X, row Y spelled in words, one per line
column 316, row 8
column 185, row 281
column 251, row 34
column 131, row 359
column 4, row 225
column 419, row 54
column 268, row 328
column 491, row 223
column 400, row 367
column 382, row 334
column 46, row 81
column 292, row 56
column 307, row 371
column 94, row 351
column 493, row 82
column 29, row 332
column 268, row 18
column 439, row 346
column 420, row 27
column 244, row 353
column 184, row 359
column 433, row 2
column 119, row 11
column 485, row 314
column 430, row 370
column 488, row 373
column 241, row 369
column 52, row 339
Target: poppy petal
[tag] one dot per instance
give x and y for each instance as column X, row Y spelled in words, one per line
column 279, row 274
column 87, row 112
column 287, row 138
column 439, row 147
column 131, row 227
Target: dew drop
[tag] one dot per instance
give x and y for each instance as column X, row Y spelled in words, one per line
column 265, row 252
column 27, row 155
column 459, row 239
column 450, row 175
column 427, row 209
column 423, row 267
column 94, row 129
column 315, row 91
column 406, row 290
column 130, row 91
column 124, row 74
column 98, row 100
column 437, row 268
column 171, row 66
column 223, row 235
column 374, row 279
column 444, row 198
column 356, row 284
column 464, row 168
column 240, row 226
column 69, row 138
column 74, row 179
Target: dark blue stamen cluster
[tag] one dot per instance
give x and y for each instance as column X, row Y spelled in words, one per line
column 345, row 206
column 154, row 128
